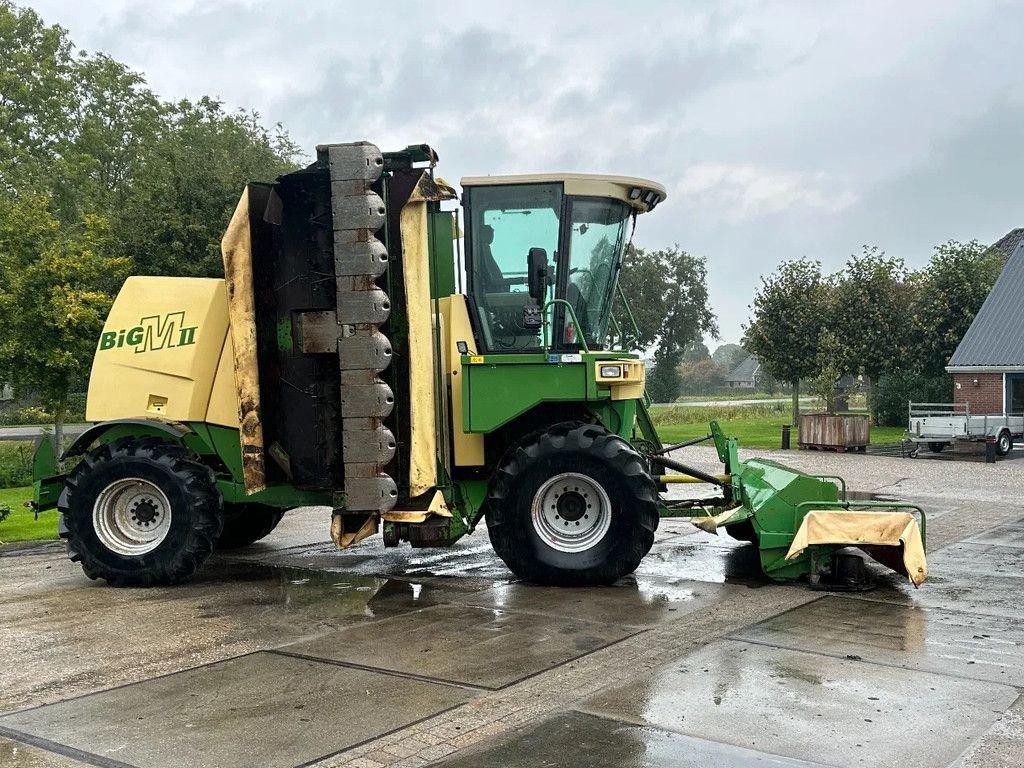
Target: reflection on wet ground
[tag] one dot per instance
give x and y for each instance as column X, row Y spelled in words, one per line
column 952, row 643
column 577, row 740
column 811, row 707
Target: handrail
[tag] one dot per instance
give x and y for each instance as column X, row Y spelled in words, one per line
column 842, row 483
column 575, row 320
column 618, row 329
column 629, row 310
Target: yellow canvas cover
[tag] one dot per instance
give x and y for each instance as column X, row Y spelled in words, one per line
column 867, row 530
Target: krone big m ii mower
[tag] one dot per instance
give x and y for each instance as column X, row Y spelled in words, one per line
column 353, row 358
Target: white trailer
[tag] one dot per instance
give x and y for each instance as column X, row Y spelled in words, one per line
column 938, row 425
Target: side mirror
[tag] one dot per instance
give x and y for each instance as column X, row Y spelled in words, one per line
column 537, row 274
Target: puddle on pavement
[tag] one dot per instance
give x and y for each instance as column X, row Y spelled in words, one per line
column 634, row 601
column 301, row 590
column 596, row 741
column 704, row 557
column 948, row 642
column 809, row 706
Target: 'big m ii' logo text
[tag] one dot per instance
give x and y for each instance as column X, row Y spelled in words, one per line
column 152, row 333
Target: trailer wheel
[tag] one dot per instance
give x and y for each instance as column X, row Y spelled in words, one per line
column 247, row 523
column 1004, row 443
column 141, row 512
column 572, row 506
column 937, row 447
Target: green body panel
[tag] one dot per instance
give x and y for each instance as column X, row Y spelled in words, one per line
column 47, row 479
column 441, row 250
column 771, row 493
column 497, row 388
column 618, row 416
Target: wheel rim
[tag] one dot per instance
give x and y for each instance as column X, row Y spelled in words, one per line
column 1004, row 443
column 131, row 516
column 571, row 512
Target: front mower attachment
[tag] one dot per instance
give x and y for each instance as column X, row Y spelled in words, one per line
column 804, row 524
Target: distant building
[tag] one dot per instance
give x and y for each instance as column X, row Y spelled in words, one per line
column 745, row 375
column 988, row 365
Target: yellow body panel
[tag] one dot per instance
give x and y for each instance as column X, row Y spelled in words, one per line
column 236, row 250
column 223, row 408
column 422, row 416
column 159, row 351
column 469, row 447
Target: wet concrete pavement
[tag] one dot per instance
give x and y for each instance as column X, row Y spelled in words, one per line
column 289, row 653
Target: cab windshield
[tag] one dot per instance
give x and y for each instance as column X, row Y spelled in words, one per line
column 582, row 239
column 597, row 234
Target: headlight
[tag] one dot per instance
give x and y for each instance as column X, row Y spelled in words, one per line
column 611, row 371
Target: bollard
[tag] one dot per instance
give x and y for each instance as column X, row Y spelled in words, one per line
column 785, row 436
column 990, row 451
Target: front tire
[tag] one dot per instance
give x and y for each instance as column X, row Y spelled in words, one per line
column 141, row 513
column 245, row 524
column 572, row 506
column 1004, row 443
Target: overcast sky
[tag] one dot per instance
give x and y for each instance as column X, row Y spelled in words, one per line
column 779, row 129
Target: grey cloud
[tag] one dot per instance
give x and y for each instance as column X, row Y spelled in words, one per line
column 781, row 129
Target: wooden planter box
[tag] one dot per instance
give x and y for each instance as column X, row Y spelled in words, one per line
column 830, row 432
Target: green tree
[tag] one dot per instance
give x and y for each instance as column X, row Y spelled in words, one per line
column 695, row 352
column 869, row 315
column 947, row 295
column 728, row 356
column 667, row 290
column 188, row 183
column 37, row 96
column 787, row 322
column 700, row 377
column 56, row 287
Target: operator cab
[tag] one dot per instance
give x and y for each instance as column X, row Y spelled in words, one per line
column 543, row 256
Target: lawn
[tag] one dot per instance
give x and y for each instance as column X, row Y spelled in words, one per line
column 754, row 426
column 22, row 525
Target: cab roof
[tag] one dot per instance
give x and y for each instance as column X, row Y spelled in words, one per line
column 641, row 194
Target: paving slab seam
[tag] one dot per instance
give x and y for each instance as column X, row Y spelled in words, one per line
column 564, row 686
column 738, row 638
column 128, row 684
column 383, row 671
column 63, row 750
column 364, row 742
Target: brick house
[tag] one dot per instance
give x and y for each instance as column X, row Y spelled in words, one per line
column 988, row 365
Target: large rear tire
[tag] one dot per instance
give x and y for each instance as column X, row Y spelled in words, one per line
column 245, row 524
column 141, row 512
column 572, row 506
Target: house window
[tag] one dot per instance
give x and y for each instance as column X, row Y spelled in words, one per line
column 1014, row 402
